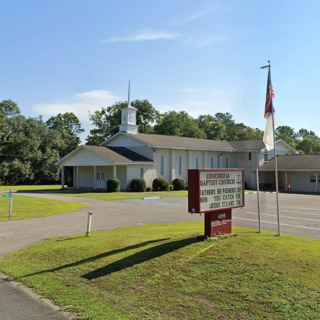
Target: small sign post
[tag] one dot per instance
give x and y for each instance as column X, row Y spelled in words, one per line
column 89, row 223
column 9, row 195
column 215, row 192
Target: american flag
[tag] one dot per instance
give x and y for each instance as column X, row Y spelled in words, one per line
column 269, row 97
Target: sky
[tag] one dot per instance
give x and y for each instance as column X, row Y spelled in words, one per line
column 201, row 57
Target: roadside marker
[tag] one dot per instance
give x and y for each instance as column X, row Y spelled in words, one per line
column 89, row 223
column 9, row 195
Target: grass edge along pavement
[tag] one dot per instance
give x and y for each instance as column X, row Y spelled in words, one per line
column 163, row 271
column 28, row 208
column 91, row 194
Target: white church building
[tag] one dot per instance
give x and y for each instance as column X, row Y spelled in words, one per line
column 130, row 154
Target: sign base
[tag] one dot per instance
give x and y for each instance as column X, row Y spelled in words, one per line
column 217, row 222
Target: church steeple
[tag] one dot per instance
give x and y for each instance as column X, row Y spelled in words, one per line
column 129, row 117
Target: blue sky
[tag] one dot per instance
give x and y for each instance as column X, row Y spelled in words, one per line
column 200, row 56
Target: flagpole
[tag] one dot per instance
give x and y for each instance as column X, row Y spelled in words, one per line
column 276, row 171
column 275, row 152
column 258, row 196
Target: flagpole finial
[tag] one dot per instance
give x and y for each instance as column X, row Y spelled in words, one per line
column 267, row 66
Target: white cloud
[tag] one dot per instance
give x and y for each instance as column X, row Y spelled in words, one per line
column 80, row 104
column 189, row 90
column 188, row 19
column 145, row 35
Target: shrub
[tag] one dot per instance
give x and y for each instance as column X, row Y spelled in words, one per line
column 187, row 187
column 138, row 185
column 160, row 184
column 171, row 187
column 113, row 185
column 149, row 188
column 179, row 184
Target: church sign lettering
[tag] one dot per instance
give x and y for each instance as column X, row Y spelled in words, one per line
column 212, row 190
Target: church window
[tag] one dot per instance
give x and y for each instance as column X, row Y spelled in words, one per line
column 180, row 165
column 227, row 163
column 211, row 162
column 265, row 156
column 161, row 165
column 250, row 156
column 141, row 172
column 197, row 162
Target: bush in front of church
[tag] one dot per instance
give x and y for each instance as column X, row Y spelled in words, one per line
column 179, row 184
column 160, row 184
column 113, row 185
column 138, row 185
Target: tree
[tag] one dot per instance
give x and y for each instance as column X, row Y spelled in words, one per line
column 69, row 127
column 242, row 132
column 174, row 123
column 303, row 133
column 107, row 120
column 287, row 134
column 229, row 123
column 309, row 145
column 212, row 127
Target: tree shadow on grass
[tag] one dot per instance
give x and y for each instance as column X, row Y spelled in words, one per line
column 93, row 258
column 139, row 257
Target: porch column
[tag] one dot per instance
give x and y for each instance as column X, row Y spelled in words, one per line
column 114, row 172
column 204, row 160
column 94, row 178
column 316, row 181
column 62, row 176
column 77, row 177
column 286, row 180
column 74, row 177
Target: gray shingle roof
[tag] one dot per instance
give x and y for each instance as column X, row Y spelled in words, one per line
column 129, row 154
column 117, row 157
column 294, row 162
column 248, row 145
column 193, row 143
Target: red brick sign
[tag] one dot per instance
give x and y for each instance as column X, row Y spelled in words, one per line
column 211, row 190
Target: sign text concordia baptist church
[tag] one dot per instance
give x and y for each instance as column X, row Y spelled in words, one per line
column 216, row 189
column 220, row 190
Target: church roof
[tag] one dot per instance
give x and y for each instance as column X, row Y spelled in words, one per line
column 117, row 154
column 248, row 145
column 193, row 143
column 129, row 154
column 294, row 162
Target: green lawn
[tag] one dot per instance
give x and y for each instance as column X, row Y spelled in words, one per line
column 100, row 195
column 166, row 272
column 124, row 195
column 28, row 208
column 31, row 188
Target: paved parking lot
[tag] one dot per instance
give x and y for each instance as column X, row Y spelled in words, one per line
column 299, row 214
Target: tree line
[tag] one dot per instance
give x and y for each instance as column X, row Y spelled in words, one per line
column 30, row 147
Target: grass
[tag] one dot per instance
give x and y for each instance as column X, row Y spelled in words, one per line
column 31, row 188
column 100, row 195
column 28, row 208
column 166, row 272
